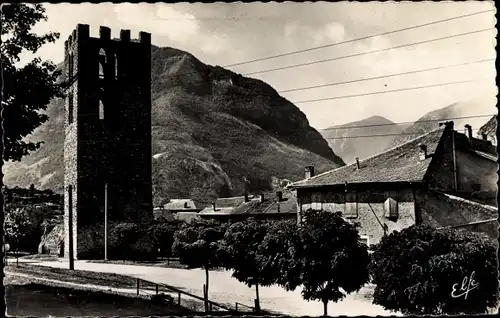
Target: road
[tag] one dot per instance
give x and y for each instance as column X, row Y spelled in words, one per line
column 225, row 289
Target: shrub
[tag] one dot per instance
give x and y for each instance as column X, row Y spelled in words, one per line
column 415, row 271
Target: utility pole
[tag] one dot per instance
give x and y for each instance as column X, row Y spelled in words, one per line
column 106, row 221
column 70, row 228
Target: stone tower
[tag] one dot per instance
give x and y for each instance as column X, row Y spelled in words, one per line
column 107, row 135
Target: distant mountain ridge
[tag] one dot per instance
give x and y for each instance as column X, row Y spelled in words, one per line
column 342, row 138
column 215, row 133
column 461, row 113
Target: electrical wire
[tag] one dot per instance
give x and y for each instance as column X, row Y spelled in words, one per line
column 357, row 39
column 369, row 52
column 383, row 76
column 409, row 122
column 389, row 91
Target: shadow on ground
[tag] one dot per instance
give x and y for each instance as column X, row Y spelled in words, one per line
column 41, row 301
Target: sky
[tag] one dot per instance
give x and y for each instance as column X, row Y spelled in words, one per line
column 228, row 33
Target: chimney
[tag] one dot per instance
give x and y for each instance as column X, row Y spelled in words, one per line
column 261, row 197
column 213, row 206
column 357, row 162
column 309, row 172
column 279, row 194
column 485, row 136
column 246, row 197
column 449, row 124
column 468, row 128
column 423, row 152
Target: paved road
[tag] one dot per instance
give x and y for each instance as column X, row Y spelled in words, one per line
column 225, row 289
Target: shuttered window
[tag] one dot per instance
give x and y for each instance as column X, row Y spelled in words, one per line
column 316, row 201
column 391, row 208
column 351, row 205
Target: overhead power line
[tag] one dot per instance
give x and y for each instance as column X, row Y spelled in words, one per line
column 380, row 135
column 389, row 91
column 369, row 52
column 409, row 122
column 383, row 76
column 357, row 39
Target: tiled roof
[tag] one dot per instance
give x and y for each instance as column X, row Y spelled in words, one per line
column 397, row 164
column 182, row 204
column 237, row 205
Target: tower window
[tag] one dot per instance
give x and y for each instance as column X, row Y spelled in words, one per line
column 102, row 62
column 101, row 110
column 70, row 66
column 70, row 107
column 116, row 67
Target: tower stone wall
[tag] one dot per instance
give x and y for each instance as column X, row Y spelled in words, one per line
column 107, row 134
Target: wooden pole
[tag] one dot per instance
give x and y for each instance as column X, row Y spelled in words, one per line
column 70, row 228
column 106, row 221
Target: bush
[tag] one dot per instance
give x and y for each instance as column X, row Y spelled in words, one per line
column 415, row 271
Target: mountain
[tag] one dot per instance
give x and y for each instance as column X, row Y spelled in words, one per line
column 214, row 133
column 489, row 129
column 341, row 138
column 455, row 112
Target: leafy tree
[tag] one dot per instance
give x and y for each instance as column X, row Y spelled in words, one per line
column 324, row 255
column 198, row 245
column 28, row 89
column 163, row 236
column 417, row 270
column 16, row 224
column 22, row 227
column 282, row 240
column 335, row 262
column 123, row 236
column 241, row 243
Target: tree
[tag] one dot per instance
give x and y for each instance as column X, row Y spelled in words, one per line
column 198, row 245
column 124, row 236
column 27, row 90
column 421, row 270
column 324, row 255
column 241, row 243
column 22, row 227
column 335, row 262
column 163, row 236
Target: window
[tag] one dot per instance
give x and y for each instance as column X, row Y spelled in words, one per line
column 365, row 239
column 101, row 110
column 70, row 66
column 391, row 208
column 116, row 67
column 316, row 201
column 102, row 62
column 351, row 205
column 70, row 107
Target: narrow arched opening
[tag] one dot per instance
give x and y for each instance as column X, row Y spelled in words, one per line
column 102, row 62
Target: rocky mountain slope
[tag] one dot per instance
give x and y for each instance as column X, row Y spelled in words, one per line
column 212, row 130
column 490, row 128
column 431, row 120
column 341, row 138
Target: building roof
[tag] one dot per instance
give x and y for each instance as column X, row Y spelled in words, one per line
column 182, row 205
column 398, row 164
column 238, row 206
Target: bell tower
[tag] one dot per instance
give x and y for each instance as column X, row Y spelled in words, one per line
column 107, row 149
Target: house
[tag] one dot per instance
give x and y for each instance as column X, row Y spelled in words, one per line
column 178, row 209
column 443, row 178
column 266, row 206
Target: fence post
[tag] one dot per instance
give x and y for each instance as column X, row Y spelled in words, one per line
column 236, row 305
column 156, row 289
column 179, row 299
column 137, row 286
